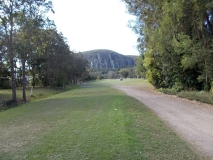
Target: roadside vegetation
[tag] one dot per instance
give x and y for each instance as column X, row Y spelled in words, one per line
column 92, row 122
column 201, row 96
column 175, row 42
column 175, row 45
column 33, row 51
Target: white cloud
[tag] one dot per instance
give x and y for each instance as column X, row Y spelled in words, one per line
column 95, row 24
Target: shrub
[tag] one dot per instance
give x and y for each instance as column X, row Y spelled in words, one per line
column 211, row 90
column 201, row 96
column 178, row 87
column 171, row 91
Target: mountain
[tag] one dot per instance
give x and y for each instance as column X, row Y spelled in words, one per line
column 102, row 58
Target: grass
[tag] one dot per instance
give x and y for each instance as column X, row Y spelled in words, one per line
column 201, row 96
column 38, row 93
column 138, row 83
column 94, row 122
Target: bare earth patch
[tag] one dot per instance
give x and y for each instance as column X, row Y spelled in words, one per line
column 191, row 120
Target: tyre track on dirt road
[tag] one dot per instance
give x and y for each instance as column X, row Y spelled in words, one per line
column 192, row 120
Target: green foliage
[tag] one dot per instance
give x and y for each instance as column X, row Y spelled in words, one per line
column 4, row 77
column 140, row 68
column 4, row 83
column 29, row 37
column 106, row 73
column 211, row 90
column 201, row 96
column 170, row 91
column 16, row 16
column 124, row 72
column 111, row 73
column 176, row 40
column 152, row 63
column 178, row 86
column 100, row 77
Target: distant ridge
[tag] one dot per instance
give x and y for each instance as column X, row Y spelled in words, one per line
column 103, row 58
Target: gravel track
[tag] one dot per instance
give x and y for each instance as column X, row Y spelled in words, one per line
column 192, row 120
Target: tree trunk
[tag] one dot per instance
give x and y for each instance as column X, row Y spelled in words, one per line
column 13, row 81
column 33, row 74
column 11, row 53
column 23, row 80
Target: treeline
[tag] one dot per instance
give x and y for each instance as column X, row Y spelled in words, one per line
column 31, row 45
column 175, row 41
column 113, row 73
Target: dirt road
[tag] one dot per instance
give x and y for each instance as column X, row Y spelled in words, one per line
column 191, row 120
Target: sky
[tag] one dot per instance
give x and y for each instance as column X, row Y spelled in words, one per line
column 95, row 24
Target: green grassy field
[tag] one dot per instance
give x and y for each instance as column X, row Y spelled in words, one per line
column 37, row 93
column 92, row 122
column 137, row 83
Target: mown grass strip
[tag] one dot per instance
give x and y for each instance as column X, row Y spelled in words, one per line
column 37, row 93
column 88, row 123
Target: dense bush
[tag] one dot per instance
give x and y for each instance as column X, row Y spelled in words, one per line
column 175, row 39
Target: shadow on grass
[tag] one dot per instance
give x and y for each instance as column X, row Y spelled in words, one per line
column 38, row 93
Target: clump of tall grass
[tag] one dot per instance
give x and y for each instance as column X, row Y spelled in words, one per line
column 201, row 96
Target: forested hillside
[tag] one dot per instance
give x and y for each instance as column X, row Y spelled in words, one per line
column 175, row 39
column 30, row 45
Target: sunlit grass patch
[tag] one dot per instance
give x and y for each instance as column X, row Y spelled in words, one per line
column 138, row 83
column 37, row 93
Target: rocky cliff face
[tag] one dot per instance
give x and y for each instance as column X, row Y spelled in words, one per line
column 107, row 59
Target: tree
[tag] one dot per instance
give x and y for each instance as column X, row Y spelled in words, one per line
column 140, row 68
column 79, row 67
column 54, row 63
column 52, row 50
column 10, row 10
column 30, row 22
column 124, row 72
column 176, row 40
column 59, row 52
column 111, row 75
column 8, row 13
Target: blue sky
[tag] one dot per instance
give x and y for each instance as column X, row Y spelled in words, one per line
column 95, row 24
